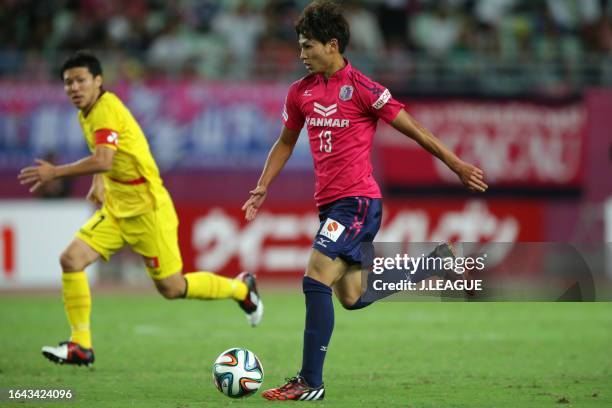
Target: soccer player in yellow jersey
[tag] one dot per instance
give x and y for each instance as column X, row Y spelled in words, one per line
column 135, row 210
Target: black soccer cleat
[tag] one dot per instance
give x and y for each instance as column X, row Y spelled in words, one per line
column 448, row 250
column 296, row 389
column 69, row 352
column 252, row 304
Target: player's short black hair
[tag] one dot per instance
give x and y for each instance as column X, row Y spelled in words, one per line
column 322, row 20
column 82, row 59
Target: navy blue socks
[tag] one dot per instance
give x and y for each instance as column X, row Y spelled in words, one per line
column 373, row 296
column 318, row 330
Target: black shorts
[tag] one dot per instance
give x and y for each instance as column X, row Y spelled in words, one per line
column 346, row 224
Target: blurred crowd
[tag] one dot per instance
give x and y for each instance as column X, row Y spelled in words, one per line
column 412, row 42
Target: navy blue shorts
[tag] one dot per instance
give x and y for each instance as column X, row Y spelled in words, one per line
column 345, row 224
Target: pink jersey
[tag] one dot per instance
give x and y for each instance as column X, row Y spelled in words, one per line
column 341, row 116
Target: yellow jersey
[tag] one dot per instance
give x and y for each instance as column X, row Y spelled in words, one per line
column 133, row 185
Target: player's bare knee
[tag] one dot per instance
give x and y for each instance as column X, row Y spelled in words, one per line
column 347, row 300
column 325, row 279
column 71, row 262
column 314, row 273
column 170, row 291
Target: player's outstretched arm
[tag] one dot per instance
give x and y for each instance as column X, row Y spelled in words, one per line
column 471, row 176
column 99, row 162
column 278, row 156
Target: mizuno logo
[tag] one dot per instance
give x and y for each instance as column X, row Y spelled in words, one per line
column 322, row 241
column 325, row 111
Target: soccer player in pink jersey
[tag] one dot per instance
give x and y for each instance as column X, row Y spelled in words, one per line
column 340, row 108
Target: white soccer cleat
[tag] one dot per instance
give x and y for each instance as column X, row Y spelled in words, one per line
column 252, row 304
column 68, row 352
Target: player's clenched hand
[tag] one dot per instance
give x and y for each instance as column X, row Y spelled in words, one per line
column 37, row 175
column 258, row 195
column 96, row 192
column 472, row 177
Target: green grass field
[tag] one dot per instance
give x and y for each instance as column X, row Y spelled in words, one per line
column 155, row 353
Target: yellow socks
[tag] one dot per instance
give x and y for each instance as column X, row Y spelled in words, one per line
column 77, row 303
column 77, row 297
column 207, row 285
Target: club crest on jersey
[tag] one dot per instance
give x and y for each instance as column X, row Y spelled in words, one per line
column 346, row 93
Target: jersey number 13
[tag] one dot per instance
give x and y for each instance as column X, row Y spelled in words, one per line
column 325, row 138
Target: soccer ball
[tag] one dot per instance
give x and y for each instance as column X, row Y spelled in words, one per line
column 237, row 373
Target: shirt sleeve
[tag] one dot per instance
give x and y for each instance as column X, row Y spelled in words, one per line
column 292, row 115
column 378, row 99
column 107, row 137
column 104, row 124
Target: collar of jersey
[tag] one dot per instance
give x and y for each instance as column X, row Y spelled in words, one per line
column 340, row 74
column 95, row 103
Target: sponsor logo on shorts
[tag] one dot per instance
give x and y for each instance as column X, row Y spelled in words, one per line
column 332, row 229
